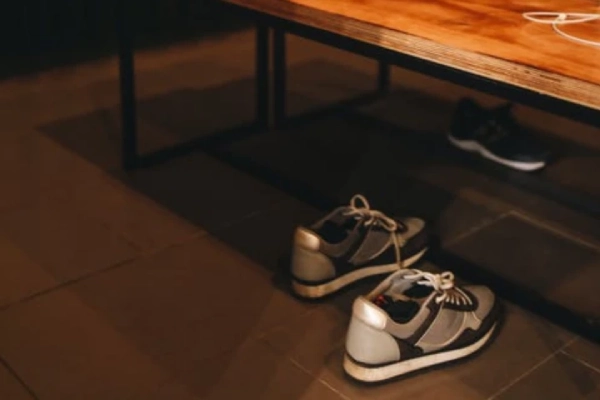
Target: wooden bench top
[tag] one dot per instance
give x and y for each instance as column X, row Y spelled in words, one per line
column 489, row 38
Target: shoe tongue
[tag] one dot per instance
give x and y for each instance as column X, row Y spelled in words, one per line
column 410, row 290
column 419, row 292
column 404, row 300
column 400, row 309
column 337, row 227
column 342, row 220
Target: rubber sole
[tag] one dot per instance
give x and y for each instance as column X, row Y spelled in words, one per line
column 474, row 147
column 387, row 372
column 322, row 290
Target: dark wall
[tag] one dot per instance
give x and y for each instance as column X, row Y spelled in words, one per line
column 38, row 34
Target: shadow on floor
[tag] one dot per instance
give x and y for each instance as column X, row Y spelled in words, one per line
column 336, row 156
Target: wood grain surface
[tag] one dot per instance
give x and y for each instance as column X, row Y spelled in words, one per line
column 489, row 38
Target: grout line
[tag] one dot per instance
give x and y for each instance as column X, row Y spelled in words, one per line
column 522, row 376
column 65, row 284
column 530, row 370
column 138, row 256
column 476, row 228
column 18, row 378
column 583, row 362
column 555, row 230
column 322, row 381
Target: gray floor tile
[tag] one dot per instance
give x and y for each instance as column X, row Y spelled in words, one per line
column 266, row 237
column 585, row 351
column 20, row 276
column 145, row 330
column 62, row 349
column 63, row 242
column 556, row 266
column 254, row 371
column 204, row 191
column 189, row 303
column 316, row 342
column 138, row 219
column 11, row 388
column 559, row 378
column 31, row 165
column 569, row 172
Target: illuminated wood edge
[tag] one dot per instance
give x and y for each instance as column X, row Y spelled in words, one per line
column 544, row 82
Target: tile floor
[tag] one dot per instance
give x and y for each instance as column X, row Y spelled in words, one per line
column 166, row 283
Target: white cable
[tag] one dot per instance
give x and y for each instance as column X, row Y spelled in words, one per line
column 560, row 18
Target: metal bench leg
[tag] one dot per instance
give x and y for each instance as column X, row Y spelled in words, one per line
column 262, row 76
column 383, row 77
column 127, row 84
column 279, row 77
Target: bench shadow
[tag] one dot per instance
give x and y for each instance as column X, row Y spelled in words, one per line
column 336, row 156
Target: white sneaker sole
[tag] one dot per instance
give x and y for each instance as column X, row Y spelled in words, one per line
column 474, row 147
column 317, row 291
column 377, row 374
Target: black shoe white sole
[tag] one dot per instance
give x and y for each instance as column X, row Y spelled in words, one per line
column 473, row 146
column 322, row 290
column 386, row 372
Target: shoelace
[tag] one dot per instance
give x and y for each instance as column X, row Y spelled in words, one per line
column 441, row 283
column 360, row 209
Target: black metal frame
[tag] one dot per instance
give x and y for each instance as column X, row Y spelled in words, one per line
column 131, row 158
column 584, row 325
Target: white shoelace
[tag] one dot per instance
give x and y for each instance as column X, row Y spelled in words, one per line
column 556, row 19
column 441, row 283
column 360, row 209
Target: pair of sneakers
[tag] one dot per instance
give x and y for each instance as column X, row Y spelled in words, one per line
column 413, row 319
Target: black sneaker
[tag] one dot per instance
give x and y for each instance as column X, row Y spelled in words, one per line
column 352, row 243
column 496, row 135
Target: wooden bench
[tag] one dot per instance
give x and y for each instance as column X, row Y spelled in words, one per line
column 485, row 39
column 483, row 44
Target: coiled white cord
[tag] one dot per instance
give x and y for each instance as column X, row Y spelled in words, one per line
column 557, row 19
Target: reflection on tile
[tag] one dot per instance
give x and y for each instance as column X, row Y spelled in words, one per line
column 62, row 241
column 316, row 340
column 11, row 388
column 536, row 258
column 64, row 350
column 587, row 352
column 559, row 378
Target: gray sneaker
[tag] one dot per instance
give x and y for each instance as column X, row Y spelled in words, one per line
column 352, row 243
column 414, row 320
